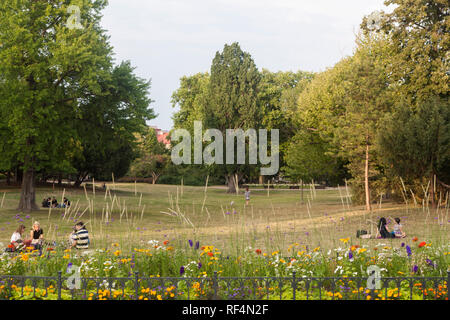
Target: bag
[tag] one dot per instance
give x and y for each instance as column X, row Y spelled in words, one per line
column 360, row 232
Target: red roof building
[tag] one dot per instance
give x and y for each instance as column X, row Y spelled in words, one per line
column 162, row 136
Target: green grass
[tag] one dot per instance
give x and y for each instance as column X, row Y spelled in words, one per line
column 272, row 221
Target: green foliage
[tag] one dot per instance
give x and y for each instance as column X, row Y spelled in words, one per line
column 416, row 143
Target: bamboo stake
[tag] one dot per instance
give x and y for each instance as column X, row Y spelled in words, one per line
column 3, row 199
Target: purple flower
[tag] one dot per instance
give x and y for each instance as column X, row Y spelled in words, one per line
column 430, row 263
column 69, row 266
column 197, row 245
column 191, row 243
column 414, row 269
column 350, row 255
column 408, row 250
column 227, row 212
column 27, row 217
column 199, row 264
column 403, row 244
column 181, row 270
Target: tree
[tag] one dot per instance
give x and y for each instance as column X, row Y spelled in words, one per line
column 46, row 68
column 366, row 100
column 278, row 95
column 190, row 97
column 108, row 124
column 419, row 36
column 153, row 157
column 232, row 100
column 416, row 143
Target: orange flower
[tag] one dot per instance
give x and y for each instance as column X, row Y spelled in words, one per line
column 210, row 254
column 258, row 251
column 49, row 249
column 166, row 242
column 422, row 244
column 415, row 239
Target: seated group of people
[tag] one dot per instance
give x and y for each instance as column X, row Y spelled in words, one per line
column 53, row 203
column 383, row 230
column 79, row 238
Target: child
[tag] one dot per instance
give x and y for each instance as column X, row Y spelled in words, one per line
column 247, row 196
column 398, row 232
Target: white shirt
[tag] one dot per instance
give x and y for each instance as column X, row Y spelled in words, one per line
column 15, row 236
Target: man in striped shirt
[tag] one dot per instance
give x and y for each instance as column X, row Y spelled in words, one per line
column 81, row 237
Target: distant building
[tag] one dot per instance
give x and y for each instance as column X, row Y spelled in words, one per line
column 162, row 136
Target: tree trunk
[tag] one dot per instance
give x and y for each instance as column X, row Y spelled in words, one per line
column 432, row 191
column 80, row 179
column 230, row 183
column 302, row 190
column 18, row 176
column 154, row 177
column 60, row 180
column 8, row 178
column 366, row 179
column 28, row 193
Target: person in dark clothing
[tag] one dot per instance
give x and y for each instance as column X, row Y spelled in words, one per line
column 383, row 230
column 54, row 203
column 45, row 203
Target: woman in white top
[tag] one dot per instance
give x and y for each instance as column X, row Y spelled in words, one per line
column 16, row 238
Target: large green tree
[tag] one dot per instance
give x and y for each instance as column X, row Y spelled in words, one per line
column 108, row 123
column 416, row 143
column 232, row 100
column 46, row 69
column 419, row 34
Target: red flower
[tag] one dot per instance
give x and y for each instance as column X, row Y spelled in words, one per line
column 258, row 251
column 422, row 244
column 166, row 242
column 210, row 254
column 415, row 239
column 10, row 246
column 49, row 249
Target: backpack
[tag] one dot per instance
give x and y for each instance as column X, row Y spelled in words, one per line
column 360, row 232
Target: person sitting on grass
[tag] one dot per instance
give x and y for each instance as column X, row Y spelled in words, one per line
column 81, row 237
column 66, row 202
column 16, row 238
column 46, row 203
column 383, row 230
column 37, row 236
column 398, row 231
column 54, row 203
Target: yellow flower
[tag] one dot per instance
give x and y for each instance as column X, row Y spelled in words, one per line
column 361, row 250
column 66, row 257
column 159, row 297
column 117, row 253
column 25, row 257
column 345, row 240
column 275, row 252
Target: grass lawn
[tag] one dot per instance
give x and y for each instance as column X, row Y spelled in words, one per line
column 132, row 214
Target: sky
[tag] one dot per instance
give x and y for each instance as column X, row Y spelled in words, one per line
column 168, row 39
